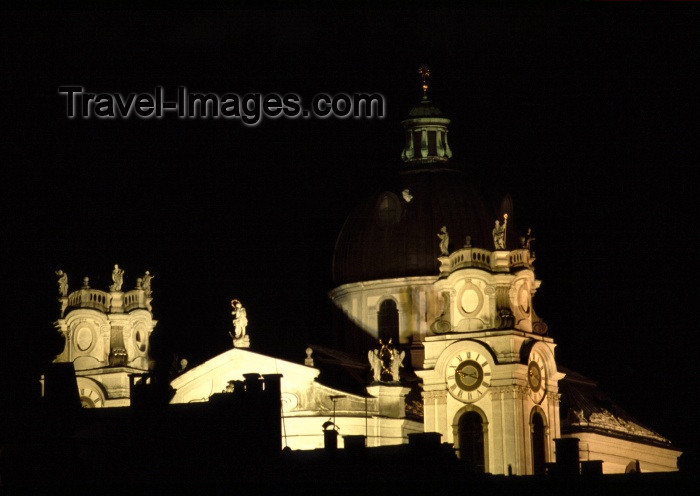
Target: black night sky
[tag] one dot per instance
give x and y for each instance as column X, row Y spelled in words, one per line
column 583, row 114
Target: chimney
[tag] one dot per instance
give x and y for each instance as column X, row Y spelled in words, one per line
column 567, row 456
column 330, row 437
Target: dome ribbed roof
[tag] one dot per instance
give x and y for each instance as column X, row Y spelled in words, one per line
column 395, row 233
column 424, row 109
column 387, row 236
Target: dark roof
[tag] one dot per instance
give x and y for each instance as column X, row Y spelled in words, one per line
column 387, row 236
column 585, row 408
column 424, row 109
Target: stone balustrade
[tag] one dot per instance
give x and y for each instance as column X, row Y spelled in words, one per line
column 493, row 261
column 90, row 298
column 104, row 302
column 134, row 299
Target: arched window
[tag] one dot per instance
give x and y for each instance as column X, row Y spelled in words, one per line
column 388, row 322
column 538, row 444
column 471, row 442
column 388, row 209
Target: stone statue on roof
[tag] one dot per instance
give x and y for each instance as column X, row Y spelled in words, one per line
column 376, row 363
column 528, row 239
column 146, row 283
column 444, row 241
column 62, row 283
column 117, row 278
column 396, row 363
column 240, row 323
column 499, row 233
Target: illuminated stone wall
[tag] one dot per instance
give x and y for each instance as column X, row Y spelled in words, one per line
column 619, row 455
column 306, row 404
column 106, row 337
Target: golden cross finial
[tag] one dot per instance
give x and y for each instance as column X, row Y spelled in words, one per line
column 424, row 72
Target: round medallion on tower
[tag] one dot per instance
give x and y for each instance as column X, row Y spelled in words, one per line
column 85, row 337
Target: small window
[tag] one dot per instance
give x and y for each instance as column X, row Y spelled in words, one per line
column 388, row 322
column 432, row 143
column 417, row 136
column 388, row 209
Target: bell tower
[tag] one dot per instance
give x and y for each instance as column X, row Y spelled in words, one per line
column 490, row 380
column 106, row 336
column 429, row 261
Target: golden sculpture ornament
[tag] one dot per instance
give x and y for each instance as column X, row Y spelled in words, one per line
column 424, row 72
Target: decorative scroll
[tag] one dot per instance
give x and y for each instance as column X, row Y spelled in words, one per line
column 442, row 324
column 504, row 316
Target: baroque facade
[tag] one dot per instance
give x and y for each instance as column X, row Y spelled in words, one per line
column 106, row 337
column 463, row 308
column 445, row 284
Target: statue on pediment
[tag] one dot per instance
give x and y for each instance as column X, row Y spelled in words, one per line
column 240, row 323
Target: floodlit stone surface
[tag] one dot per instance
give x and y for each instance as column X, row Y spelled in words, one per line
column 306, row 404
column 106, row 338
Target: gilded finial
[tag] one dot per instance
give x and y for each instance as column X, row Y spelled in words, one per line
column 424, row 72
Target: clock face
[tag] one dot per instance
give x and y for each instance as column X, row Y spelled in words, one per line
column 90, row 399
column 536, row 379
column 468, row 376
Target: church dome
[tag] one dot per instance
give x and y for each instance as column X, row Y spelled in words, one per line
column 394, row 234
column 424, row 109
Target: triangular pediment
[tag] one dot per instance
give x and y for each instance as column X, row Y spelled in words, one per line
column 212, row 376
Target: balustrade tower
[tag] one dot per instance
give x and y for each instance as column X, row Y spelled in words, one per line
column 106, row 338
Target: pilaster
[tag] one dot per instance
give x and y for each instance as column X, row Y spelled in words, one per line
column 435, row 411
